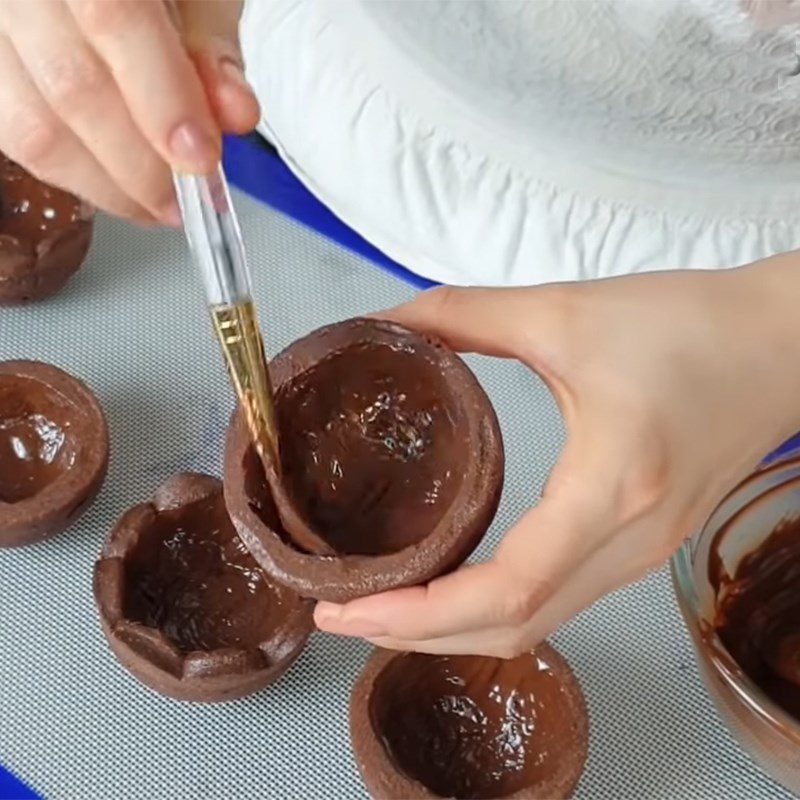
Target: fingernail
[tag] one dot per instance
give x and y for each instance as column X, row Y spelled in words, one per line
column 328, row 617
column 197, row 150
column 326, row 614
column 233, row 72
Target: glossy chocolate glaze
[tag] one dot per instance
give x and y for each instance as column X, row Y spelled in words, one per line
column 44, row 236
column 53, row 450
column 758, row 613
column 392, row 458
column 185, row 608
column 190, row 576
column 368, row 447
column 31, row 211
column 36, row 446
column 478, row 727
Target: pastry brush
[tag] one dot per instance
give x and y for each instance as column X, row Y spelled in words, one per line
column 215, row 241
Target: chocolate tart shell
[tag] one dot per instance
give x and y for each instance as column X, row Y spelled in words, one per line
column 42, row 406
column 161, row 633
column 477, row 458
column 385, row 778
column 35, row 267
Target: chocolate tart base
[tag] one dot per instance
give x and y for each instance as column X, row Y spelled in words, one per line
column 53, row 451
column 45, row 234
column 391, row 452
column 26, row 278
column 183, row 605
column 469, row 726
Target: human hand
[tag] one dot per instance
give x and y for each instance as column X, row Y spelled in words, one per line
column 102, row 97
column 673, row 387
column 770, row 14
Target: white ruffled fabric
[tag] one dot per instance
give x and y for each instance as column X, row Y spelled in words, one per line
column 522, row 142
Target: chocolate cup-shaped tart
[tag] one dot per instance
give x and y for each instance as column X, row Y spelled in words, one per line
column 427, row 726
column 44, row 235
column 391, row 455
column 185, row 607
column 53, row 451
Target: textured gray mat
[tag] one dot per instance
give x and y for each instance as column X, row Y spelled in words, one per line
column 75, row 725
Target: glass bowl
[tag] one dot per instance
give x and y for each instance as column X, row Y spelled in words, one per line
column 752, row 511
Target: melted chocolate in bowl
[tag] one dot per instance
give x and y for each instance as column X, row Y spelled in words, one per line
column 476, row 727
column 190, row 576
column 758, row 615
column 30, row 211
column 36, row 447
column 368, row 447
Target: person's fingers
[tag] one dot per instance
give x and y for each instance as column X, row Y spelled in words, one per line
column 33, row 136
column 211, row 33
column 588, row 498
column 501, row 592
column 535, row 557
column 483, row 642
column 462, row 600
column 487, row 321
column 615, row 565
column 220, row 68
column 618, row 562
column 80, row 89
column 612, row 566
column 508, row 641
column 158, row 81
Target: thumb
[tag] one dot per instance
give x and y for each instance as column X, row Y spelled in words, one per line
column 211, row 35
column 523, row 323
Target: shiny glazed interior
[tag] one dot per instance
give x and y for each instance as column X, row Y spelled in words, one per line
column 369, row 447
column 30, row 210
column 36, row 442
column 190, row 576
column 472, row 726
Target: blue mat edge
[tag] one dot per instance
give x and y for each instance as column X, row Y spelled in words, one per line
column 253, row 166
column 12, row 788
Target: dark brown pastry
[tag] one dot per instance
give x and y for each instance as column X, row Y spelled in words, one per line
column 53, row 451
column 469, row 726
column 44, row 235
column 391, row 454
column 183, row 604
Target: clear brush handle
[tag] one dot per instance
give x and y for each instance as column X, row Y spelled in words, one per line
column 218, row 250
column 214, row 237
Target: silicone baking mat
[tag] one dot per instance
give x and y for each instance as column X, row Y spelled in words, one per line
column 74, row 724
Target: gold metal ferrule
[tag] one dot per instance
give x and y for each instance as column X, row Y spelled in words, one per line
column 240, row 338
